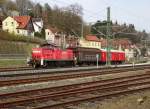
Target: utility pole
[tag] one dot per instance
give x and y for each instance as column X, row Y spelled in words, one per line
column 108, row 45
column 82, row 29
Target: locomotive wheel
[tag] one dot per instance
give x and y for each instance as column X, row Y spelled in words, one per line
column 45, row 65
column 34, row 65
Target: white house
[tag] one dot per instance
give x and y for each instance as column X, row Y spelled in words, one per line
column 37, row 24
column 53, row 35
column 129, row 54
column 90, row 41
column 19, row 25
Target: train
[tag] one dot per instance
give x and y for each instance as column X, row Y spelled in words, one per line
column 48, row 55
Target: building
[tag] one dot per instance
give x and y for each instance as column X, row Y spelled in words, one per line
column 37, row 24
column 129, row 53
column 120, row 44
column 53, row 35
column 90, row 41
column 19, row 25
column 72, row 41
column 1, row 19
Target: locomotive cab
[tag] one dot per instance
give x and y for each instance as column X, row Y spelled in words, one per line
column 51, row 55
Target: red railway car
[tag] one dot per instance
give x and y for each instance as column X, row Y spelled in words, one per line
column 116, row 56
column 103, row 56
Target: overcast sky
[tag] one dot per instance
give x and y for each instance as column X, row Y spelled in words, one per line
column 129, row 11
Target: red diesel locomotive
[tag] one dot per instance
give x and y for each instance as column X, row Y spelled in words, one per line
column 50, row 55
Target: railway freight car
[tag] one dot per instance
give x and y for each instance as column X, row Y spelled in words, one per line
column 116, row 56
column 86, row 56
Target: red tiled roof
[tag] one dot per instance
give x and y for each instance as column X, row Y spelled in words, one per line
column 22, row 21
column 92, row 38
column 54, row 30
column 117, row 42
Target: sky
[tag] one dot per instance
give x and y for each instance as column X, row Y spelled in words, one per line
column 123, row 11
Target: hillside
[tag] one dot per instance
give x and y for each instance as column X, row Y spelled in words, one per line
column 11, row 37
column 120, row 31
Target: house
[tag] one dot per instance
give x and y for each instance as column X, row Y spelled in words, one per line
column 117, row 43
column 37, row 24
column 53, row 35
column 1, row 19
column 90, row 41
column 72, row 41
column 19, row 25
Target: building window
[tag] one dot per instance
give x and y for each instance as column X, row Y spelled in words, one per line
column 17, row 31
column 6, row 24
column 48, row 33
column 12, row 23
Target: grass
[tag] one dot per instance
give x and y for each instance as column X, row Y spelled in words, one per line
column 9, row 48
column 12, row 63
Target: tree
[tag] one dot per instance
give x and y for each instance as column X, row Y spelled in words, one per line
column 10, row 5
column 75, row 9
column 24, row 6
column 38, row 10
column 73, row 19
column 99, row 26
column 2, row 2
column 48, row 14
column 47, row 7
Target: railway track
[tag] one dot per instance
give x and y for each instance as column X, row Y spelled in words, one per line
column 28, row 71
column 63, row 96
column 49, row 77
column 15, row 69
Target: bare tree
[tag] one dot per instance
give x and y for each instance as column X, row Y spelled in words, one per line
column 48, row 14
column 24, row 6
column 38, row 10
column 11, row 5
column 2, row 2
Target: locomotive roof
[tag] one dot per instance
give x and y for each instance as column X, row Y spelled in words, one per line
column 112, row 50
column 85, row 49
column 48, row 44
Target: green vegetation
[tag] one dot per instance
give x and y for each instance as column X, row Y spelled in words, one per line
column 119, row 31
column 15, row 49
column 11, row 37
column 14, row 54
column 12, row 63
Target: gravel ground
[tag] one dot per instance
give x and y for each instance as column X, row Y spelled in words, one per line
column 139, row 100
column 48, row 84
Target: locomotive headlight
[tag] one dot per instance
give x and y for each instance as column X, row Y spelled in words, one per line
column 36, row 51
